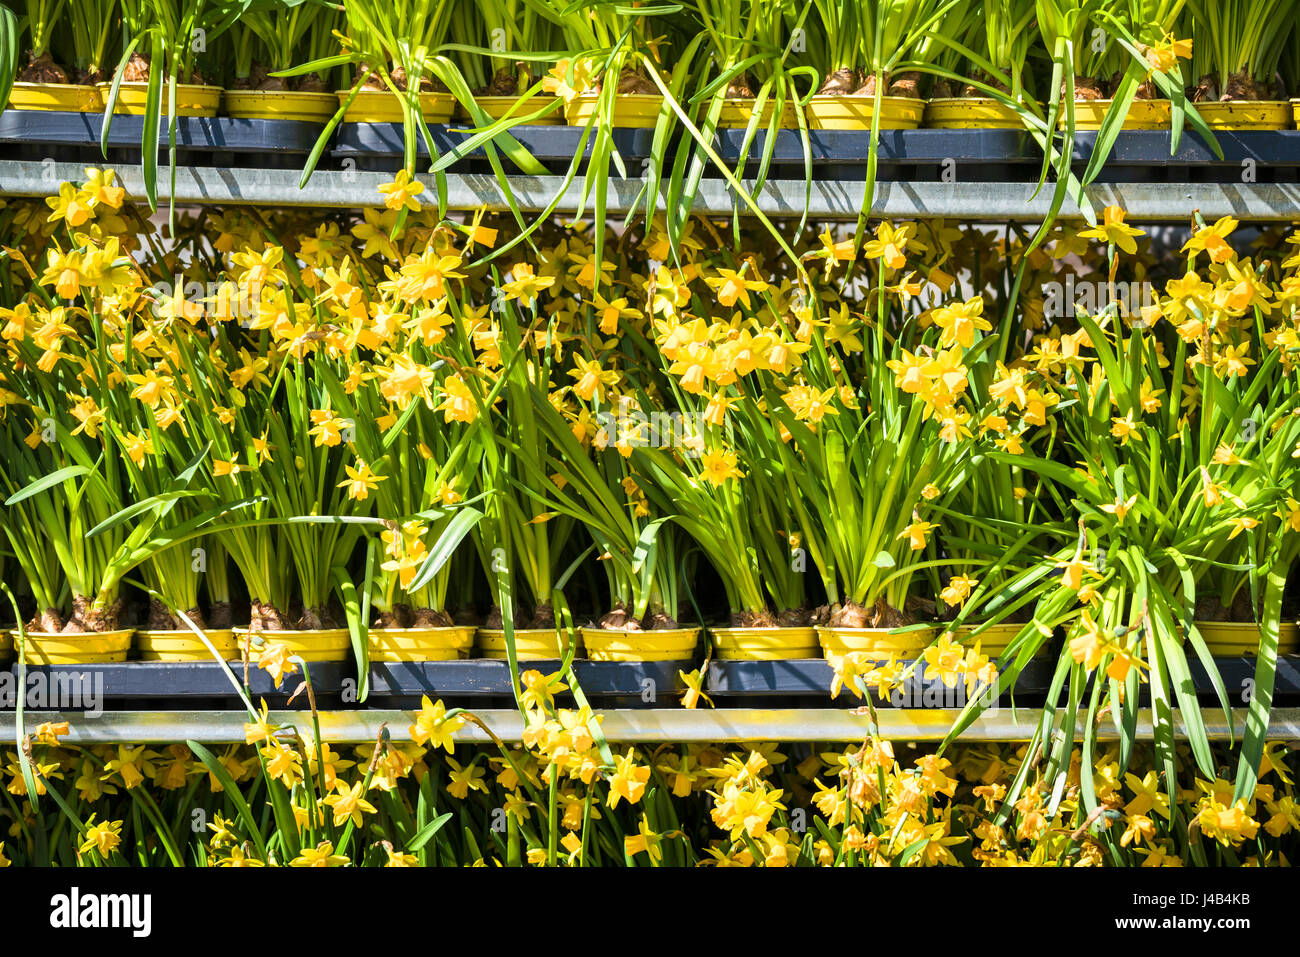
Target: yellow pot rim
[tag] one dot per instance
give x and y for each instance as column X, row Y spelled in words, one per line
column 669, row 644
column 98, row 643
column 779, row 632
column 56, row 97
column 927, row 629
column 81, row 658
column 993, row 640
column 1142, row 114
column 961, row 100
column 426, row 96
column 1246, row 114
column 496, row 106
column 850, row 111
column 1235, row 637
column 302, row 96
column 998, row 634
column 531, row 644
column 146, row 634
column 621, row 97
column 631, row 110
column 765, row 644
column 866, row 98
column 60, row 636
column 182, row 645
column 384, row 106
column 624, row 634
column 327, row 644
column 143, row 85
column 970, row 112
column 280, row 104
column 192, row 99
column 736, row 112
column 837, row 641
column 443, row 643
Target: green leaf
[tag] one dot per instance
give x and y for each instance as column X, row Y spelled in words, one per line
column 426, row 833
column 231, row 790
column 49, row 481
column 451, row 536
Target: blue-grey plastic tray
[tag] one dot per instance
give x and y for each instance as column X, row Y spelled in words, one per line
column 200, row 133
column 547, row 144
column 489, row 676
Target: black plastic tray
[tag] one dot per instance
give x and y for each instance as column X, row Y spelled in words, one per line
column 200, row 133
column 922, row 154
column 829, row 147
column 1013, row 155
column 548, row 144
column 810, row 678
column 1132, row 147
column 649, row 683
column 181, row 683
column 185, row 685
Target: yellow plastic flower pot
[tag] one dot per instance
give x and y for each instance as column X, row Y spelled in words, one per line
column 674, row 644
column 56, row 97
column 6, row 645
column 736, row 113
column 830, row 112
column 970, row 113
column 384, row 106
column 184, row 645
column 531, row 644
column 838, row 642
column 98, row 647
column 328, row 644
column 765, row 644
column 498, row 106
column 993, row 639
column 280, row 105
column 1233, row 639
column 192, row 99
column 634, row 110
column 421, row 644
column 1246, row 114
column 1142, row 115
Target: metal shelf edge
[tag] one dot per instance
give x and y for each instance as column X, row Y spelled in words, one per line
column 622, row 726
column 995, row 202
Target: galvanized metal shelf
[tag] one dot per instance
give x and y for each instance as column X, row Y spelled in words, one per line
column 621, row 726
column 829, row 200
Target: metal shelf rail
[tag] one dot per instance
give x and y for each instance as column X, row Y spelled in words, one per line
column 829, row 200
column 624, row 726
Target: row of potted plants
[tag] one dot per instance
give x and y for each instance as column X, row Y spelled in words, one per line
column 569, row 798
column 278, row 56
column 1049, row 68
column 364, row 421
column 818, row 112
column 458, row 642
